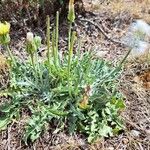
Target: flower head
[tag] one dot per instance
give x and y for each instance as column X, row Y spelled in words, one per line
column 71, row 13
column 4, row 28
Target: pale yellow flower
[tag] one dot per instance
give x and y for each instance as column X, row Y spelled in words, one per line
column 4, row 28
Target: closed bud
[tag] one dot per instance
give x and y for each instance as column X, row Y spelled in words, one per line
column 29, row 37
column 71, row 13
column 37, row 40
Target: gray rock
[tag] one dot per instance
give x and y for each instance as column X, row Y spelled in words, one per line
column 135, row 133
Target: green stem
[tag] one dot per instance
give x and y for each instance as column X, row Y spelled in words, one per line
column 53, row 46
column 48, row 39
column 69, row 35
column 11, row 55
column 33, row 62
column 71, row 52
column 57, row 36
column 78, row 50
column 69, row 49
column 39, row 71
column 119, row 66
column 69, row 57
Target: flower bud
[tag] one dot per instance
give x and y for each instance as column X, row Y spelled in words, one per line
column 29, row 37
column 37, row 40
column 33, row 43
column 71, row 13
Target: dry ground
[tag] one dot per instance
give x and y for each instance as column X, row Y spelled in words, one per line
column 114, row 18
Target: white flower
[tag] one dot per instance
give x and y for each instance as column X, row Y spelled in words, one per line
column 141, row 49
column 140, row 26
column 29, row 37
column 137, row 31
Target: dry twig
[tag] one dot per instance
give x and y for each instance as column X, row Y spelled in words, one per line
column 103, row 32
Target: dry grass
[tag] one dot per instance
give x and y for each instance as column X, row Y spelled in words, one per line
column 136, row 8
column 3, row 63
column 4, row 72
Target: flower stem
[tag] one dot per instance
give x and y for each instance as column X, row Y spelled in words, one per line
column 118, row 67
column 33, row 62
column 57, row 36
column 69, row 48
column 48, row 39
column 11, row 55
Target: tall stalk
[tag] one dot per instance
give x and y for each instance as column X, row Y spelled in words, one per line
column 118, row 67
column 56, row 37
column 69, row 35
column 54, row 46
column 69, row 57
column 71, row 39
column 69, row 48
column 48, row 39
column 33, row 62
column 10, row 55
column 38, row 71
column 71, row 52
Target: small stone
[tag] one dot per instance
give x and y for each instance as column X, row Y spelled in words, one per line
column 125, row 141
column 135, row 133
column 101, row 54
column 148, row 133
column 95, row 2
column 110, row 148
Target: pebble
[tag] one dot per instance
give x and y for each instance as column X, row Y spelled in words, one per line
column 135, row 133
column 101, row 54
column 110, row 148
column 148, row 133
column 125, row 141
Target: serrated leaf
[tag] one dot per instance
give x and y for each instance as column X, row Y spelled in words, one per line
column 57, row 112
column 6, row 107
column 120, row 104
column 35, row 136
column 4, row 122
column 105, row 131
column 107, row 110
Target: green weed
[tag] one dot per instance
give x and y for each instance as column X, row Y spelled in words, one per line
column 77, row 92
